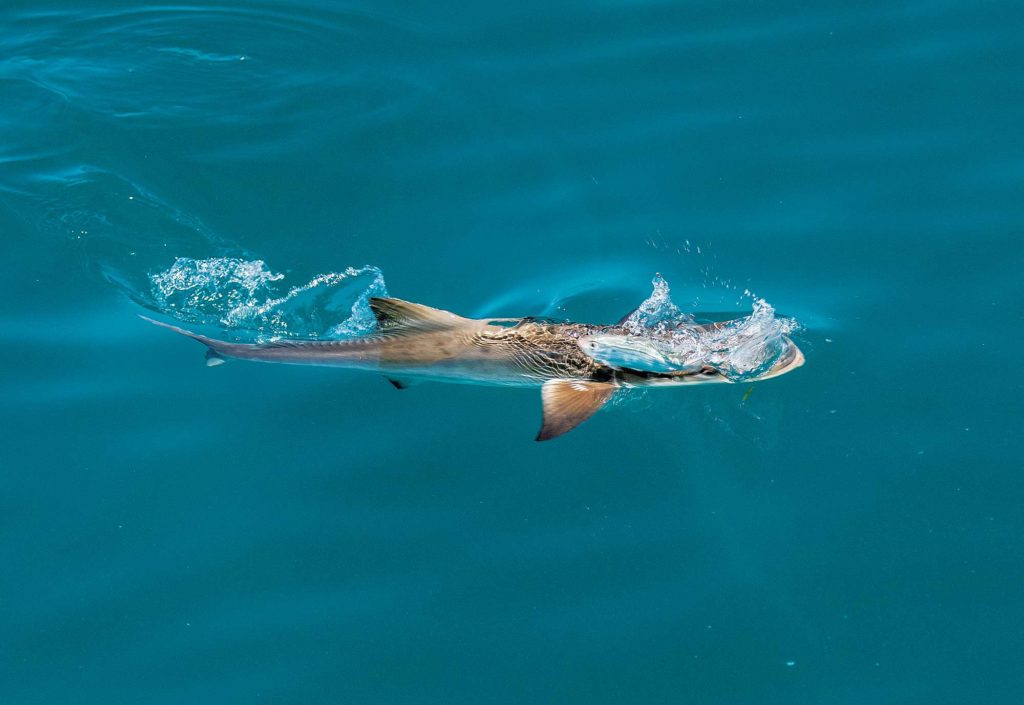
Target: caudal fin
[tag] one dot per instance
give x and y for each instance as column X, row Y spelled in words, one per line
column 217, row 350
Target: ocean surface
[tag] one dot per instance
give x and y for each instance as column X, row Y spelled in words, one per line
column 850, row 533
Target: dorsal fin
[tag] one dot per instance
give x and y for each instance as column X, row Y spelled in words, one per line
column 394, row 315
column 569, row 402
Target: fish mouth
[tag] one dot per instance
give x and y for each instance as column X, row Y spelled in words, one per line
column 791, row 359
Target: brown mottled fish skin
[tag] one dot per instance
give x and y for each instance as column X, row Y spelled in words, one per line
column 416, row 341
column 486, row 351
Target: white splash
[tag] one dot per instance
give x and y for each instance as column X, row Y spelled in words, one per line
column 244, row 295
column 740, row 349
column 657, row 313
column 748, row 347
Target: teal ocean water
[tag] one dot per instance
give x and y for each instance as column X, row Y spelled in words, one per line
column 172, row 533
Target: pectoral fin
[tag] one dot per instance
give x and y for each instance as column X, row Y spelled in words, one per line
column 568, row 403
column 400, row 383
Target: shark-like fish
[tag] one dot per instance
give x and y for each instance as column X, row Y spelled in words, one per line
column 416, row 342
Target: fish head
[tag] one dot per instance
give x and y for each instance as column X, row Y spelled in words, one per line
column 650, row 361
column 698, row 372
column 790, row 359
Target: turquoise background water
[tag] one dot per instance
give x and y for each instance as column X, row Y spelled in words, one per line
column 850, row 533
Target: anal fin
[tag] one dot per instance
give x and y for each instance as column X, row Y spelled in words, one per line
column 569, row 402
column 214, row 358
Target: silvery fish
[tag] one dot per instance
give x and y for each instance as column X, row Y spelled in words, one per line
column 637, row 353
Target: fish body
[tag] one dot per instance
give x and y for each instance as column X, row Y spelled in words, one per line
column 416, row 342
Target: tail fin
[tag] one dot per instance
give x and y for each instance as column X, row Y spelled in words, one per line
column 216, row 349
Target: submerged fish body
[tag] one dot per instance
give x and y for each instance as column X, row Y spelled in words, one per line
column 416, row 342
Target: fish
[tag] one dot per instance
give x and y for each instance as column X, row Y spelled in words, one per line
column 414, row 342
column 637, row 352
